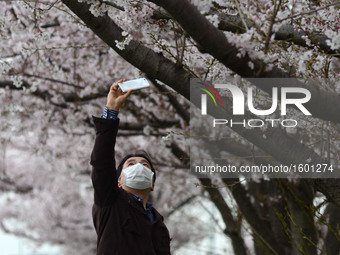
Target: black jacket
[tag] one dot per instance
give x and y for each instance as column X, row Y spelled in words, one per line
column 122, row 225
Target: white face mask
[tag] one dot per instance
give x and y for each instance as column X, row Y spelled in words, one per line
column 138, row 176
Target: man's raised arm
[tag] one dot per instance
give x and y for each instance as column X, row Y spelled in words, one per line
column 104, row 175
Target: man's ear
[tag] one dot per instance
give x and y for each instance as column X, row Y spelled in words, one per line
column 120, row 180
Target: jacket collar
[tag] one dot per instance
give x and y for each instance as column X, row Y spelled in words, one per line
column 140, row 200
column 134, row 203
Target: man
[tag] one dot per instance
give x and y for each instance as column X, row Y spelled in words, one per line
column 125, row 223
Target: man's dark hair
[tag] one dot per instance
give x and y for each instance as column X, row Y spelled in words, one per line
column 138, row 153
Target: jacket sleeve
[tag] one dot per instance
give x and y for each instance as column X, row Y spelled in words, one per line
column 104, row 174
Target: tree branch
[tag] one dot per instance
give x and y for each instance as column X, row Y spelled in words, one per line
column 71, row 97
column 53, row 80
column 146, row 60
column 332, row 240
column 7, row 184
column 232, row 226
column 233, row 23
column 9, row 84
column 181, row 204
column 299, row 198
column 18, row 233
column 249, row 153
column 182, row 110
column 323, row 104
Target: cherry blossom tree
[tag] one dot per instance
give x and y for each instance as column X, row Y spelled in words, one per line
column 57, row 61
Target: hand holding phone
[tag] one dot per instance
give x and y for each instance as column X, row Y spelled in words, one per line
column 117, row 97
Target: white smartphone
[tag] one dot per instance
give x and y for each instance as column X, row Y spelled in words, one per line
column 134, row 84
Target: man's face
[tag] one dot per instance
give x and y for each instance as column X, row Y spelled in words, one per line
column 134, row 160
column 130, row 162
